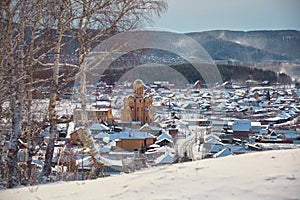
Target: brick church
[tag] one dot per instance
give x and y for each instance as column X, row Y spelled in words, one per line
column 138, row 107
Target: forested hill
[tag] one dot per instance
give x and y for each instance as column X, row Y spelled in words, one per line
column 253, row 46
column 264, row 47
column 228, row 73
column 250, row 46
column 277, row 50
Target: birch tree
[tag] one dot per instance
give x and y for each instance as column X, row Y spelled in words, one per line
column 97, row 20
column 89, row 20
column 14, row 39
column 22, row 47
column 37, row 48
column 59, row 13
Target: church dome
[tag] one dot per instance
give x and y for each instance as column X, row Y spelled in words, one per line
column 138, row 87
column 138, row 83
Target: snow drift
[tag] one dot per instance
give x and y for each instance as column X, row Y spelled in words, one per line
column 264, row 175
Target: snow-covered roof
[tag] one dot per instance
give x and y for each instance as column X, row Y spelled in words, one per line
column 250, row 81
column 155, row 128
column 104, row 150
column 241, row 125
column 258, row 124
column 131, row 134
column 37, row 162
column 103, row 103
column 154, row 146
column 70, row 129
column 213, row 139
column 165, row 159
column 261, row 88
column 295, row 109
column 216, row 147
column 164, row 136
column 101, row 135
column 99, row 127
column 145, row 126
column 292, row 112
column 62, row 126
column 284, row 116
column 85, row 162
column 250, row 99
column 148, row 127
column 222, row 153
column 263, row 131
column 257, row 109
column 273, row 119
column 78, row 128
column 117, row 135
column 236, row 148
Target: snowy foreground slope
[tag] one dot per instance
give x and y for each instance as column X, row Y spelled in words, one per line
column 265, row 175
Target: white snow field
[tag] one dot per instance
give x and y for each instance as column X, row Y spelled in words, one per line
column 263, row 175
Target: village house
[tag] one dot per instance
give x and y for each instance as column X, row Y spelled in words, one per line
column 98, row 112
column 164, row 139
column 99, row 128
column 94, row 115
column 154, row 130
column 132, row 139
column 76, row 137
column 173, row 131
column 241, row 129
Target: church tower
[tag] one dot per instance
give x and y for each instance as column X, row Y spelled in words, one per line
column 138, row 106
column 138, row 88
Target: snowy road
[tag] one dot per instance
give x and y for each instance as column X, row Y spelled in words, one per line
column 185, row 149
column 188, row 147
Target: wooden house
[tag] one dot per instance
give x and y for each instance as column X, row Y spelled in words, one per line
column 241, row 129
column 77, row 136
column 133, row 140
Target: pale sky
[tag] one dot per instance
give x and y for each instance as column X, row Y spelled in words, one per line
column 245, row 15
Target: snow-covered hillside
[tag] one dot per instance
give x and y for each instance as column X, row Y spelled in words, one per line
column 264, row 175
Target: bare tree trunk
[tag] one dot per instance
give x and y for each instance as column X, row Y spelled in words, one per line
column 53, row 100
column 17, row 109
column 30, row 134
column 13, row 146
column 11, row 159
column 52, row 108
column 29, row 127
column 3, row 90
column 17, row 99
column 83, row 97
column 108, row 17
